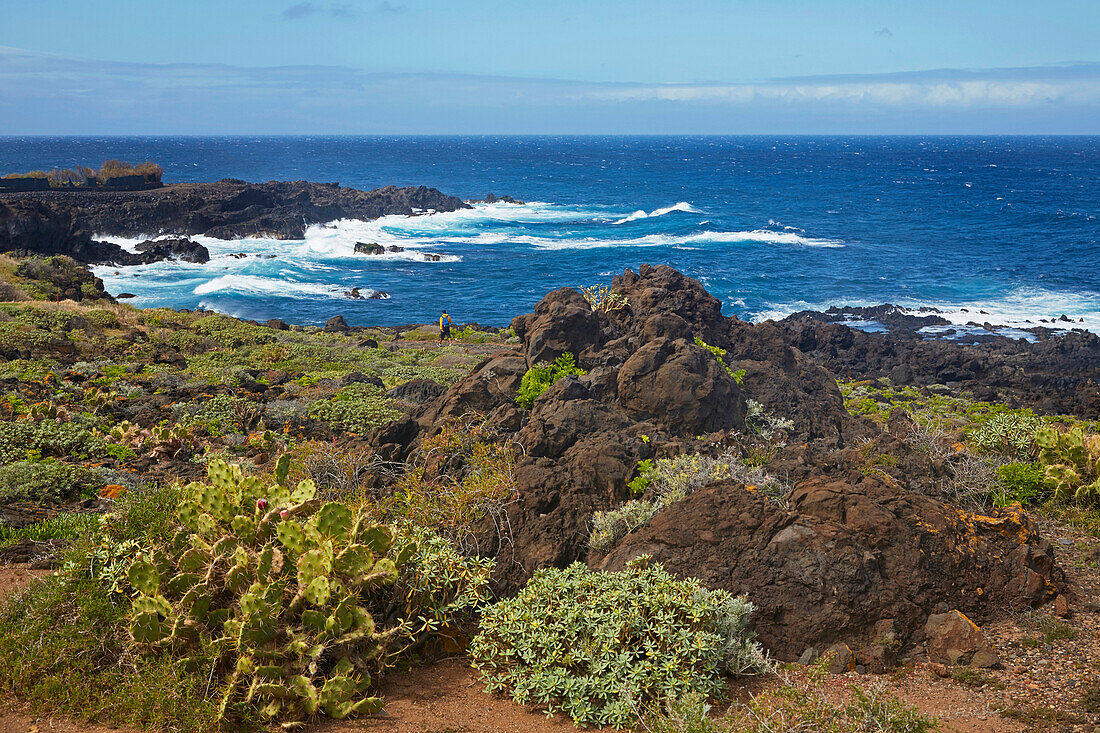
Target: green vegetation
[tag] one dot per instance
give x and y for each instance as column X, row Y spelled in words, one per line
column 1021, row 483
column 720, row 354
column 602, row 299
column 541, row 377
column 46, row 481
column 594, row 645
column 998, row 455
column 61, row 527
column 667, row 481
column 357, row 408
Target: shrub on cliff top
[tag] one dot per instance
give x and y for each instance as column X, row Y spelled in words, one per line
column 596, row 646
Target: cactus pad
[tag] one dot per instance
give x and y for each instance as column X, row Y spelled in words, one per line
column 144, row 577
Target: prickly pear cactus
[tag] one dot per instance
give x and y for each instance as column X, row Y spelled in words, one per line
column 272, row 577
column 1071, row 463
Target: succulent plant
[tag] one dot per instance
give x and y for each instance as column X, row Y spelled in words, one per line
column 273, row 578
column 1071, row 463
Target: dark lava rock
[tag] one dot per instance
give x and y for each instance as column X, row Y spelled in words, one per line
column 369, row 249
column 52, row 222
column 853, row 554
column 277, row 324
column 353, row 294
column 360, row 378
column 432, row 257
column 416, row 391
column 124, row 296
column 845, row 557
column 1056, row 374
column 336, row 324
column 395, row 248
column 180, row 249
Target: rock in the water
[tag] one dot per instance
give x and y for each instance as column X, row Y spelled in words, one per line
column 952, row 638
column 181, row 249
column 336, row 324
column 369, row 248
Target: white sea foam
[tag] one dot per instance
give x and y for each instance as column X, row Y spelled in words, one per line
column 256, row 285
column 641, row 214
column 1019, row 308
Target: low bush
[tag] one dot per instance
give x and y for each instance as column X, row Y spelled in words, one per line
column 602, row 299
column 541, row 377
column 455, row 479
column 596, row 646
column 46, row 481
column 1019, row 483
column 357, row 408
column 61, row 527
column 47, row 438
column 1008, row 434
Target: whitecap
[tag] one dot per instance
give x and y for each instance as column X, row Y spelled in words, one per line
column 683, row 206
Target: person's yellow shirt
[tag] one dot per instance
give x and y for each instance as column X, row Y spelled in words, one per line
column 442, row 318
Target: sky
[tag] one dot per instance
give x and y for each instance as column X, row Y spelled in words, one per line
column 560, row 67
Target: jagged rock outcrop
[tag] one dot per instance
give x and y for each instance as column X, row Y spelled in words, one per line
column 1057, row 374
column 853, row 559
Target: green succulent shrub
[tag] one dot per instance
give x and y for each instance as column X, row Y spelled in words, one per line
column 641, row 482
column 232, row 333
column 1071, row 463
column 271, row 579
column 357, row 408
column 602, row 299
column 1010, row 434
column 47, row 437
column 1019, row 482
column 45, row 481
column 62, row 527
column 597, row 645
column 541, row 377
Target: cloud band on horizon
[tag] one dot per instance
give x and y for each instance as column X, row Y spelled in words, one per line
column 52, row 94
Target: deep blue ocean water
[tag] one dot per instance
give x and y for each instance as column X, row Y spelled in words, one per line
column 1008, row 225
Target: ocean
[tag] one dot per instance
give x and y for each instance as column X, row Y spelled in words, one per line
column 771, row 225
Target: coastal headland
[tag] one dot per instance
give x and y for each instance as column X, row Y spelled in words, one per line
column 900, row 501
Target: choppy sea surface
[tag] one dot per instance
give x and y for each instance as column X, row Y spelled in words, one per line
column 1005, row 225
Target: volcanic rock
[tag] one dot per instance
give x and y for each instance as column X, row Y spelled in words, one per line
column 955, row 639
column 336, row 324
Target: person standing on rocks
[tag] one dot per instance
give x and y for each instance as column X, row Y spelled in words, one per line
column 444, row 327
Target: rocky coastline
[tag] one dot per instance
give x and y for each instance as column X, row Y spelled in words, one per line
column 66, row 221
column 828, row 502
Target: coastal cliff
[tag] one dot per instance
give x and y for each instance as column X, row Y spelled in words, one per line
column 66, row 222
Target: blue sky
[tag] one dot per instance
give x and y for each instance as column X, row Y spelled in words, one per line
column 424, row 66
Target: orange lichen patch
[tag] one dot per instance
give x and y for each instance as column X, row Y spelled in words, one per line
column 750, row 487
column 112, row 491
column 958, row 447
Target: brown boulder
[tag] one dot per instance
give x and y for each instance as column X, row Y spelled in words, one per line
column 844, row 558
column 952, row 638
